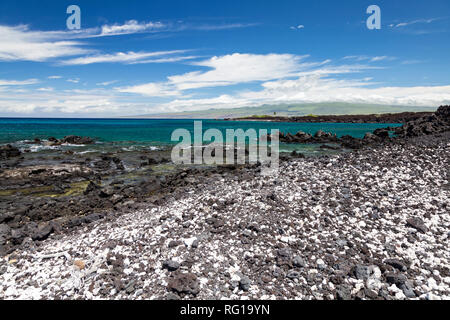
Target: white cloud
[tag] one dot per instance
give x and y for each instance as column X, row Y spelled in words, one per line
column 106, row 83
column 239, row 68
column 370, row 59
column 19, row 43
column 62, row 102
column 47, row 89
column 281, row 78
column 228, row 70
column 210, row 27
column 119, row 57
column 382, row 58
column 151, row 90
column 300, row 26
column 130, row 27
column 319, row 88
column 54, row 77
column 165, row 60
column 411, row 62
column 76, row 80
column 404, row 24
column 18, row 83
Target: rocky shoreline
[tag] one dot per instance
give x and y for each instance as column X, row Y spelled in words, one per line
column 426, row 125
column 364, row 118
column 371, row 224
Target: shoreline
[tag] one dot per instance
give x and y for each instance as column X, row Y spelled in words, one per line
column 402, row 117
column 298, row 235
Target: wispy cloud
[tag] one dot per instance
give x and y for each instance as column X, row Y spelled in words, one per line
column 213, row 27
column 120, row 57
column 151, row 90
column 298, row 27
column 418, row 21
column 369, row 59
column 166, row 60
column 130, row 27
column 106, row 83
column 54, row 77
column 228, row 70
column 408, row 62
column 240, row 68
column 20, row 43
column 46, row 89
column 18, row 82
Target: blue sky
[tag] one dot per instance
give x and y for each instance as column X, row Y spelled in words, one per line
column 142, row 57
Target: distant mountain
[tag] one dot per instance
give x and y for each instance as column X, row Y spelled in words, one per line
column 294, row 109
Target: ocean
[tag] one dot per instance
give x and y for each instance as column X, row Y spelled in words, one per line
column 151, row 133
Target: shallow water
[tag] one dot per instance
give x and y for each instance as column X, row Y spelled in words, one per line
column 149, row 134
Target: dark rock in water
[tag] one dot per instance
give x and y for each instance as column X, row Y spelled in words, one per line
column 296, row 154
column 77, row 140
column 185, row 283
column 350, row 142
column 381, row 133
column 325, row 146
column 397, row 264
column 244, row 283
column 325, row 136
column 343, row 292
column 418, row 224
column 171, row 265
column 9, row 151
column 302, row 136
column 320, row 134
column 370, row 138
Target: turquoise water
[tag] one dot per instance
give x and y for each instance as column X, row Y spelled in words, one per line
column 148, row 132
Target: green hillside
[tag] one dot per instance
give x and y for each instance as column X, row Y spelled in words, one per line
column 299, row 109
